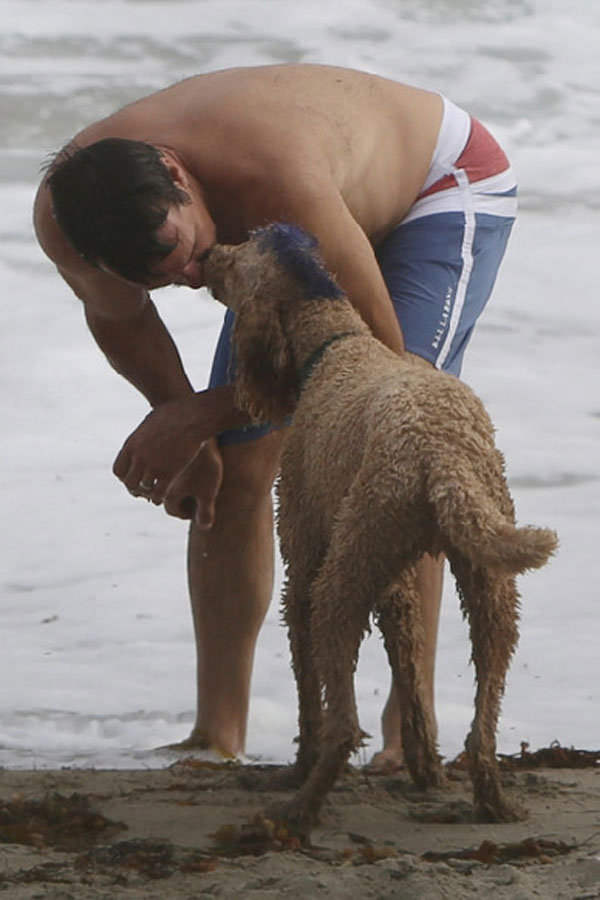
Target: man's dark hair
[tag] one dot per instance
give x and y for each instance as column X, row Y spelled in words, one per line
column 110, row 199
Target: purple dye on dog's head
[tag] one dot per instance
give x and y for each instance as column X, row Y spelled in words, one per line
column 298, row 253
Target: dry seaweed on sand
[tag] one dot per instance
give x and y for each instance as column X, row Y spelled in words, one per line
column 553, row 757
column 254, row 838
column 152, row 859
column 490, row 853
column 66, row 823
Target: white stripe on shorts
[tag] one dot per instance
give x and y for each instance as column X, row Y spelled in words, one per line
column 487, row 197
column 468, row 207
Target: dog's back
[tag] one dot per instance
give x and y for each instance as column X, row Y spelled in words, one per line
column 421, row 440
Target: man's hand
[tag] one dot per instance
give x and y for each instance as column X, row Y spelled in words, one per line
column 192, row 494
column 166, row 441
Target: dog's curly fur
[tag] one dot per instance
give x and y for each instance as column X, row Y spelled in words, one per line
column 387, row 459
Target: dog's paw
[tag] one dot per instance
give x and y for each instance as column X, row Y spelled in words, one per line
column 500, row 811
column 290, row 819
column 255, row 838
column 292, row 777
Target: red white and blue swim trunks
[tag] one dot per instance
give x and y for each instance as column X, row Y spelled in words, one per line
column 440, row 262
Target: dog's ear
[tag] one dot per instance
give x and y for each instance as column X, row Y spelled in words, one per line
column 267, row 383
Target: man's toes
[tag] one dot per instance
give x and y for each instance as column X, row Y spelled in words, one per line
column 386, row 762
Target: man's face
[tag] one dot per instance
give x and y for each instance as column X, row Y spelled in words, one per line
column 193, row 232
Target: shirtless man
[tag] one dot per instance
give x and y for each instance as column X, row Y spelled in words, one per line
column 412, row 202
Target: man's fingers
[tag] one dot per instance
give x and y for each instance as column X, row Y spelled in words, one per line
column 179, row 501
column 121, row 464
column 159, row 489
column 205, row 515
column 205, row 502
column 141, row 483
column 180, row 507
column 199, row 506
column 132, row 472
column 135, row 474
column 187, row 508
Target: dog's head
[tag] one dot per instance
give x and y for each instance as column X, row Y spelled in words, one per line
column 260, row 279
column 279, row 257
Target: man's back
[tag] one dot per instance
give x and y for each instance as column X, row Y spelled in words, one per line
column 242, row 132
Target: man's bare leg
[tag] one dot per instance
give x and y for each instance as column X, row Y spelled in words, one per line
column 230, row 570
column 430, row 576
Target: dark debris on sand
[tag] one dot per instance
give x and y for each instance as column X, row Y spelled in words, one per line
column 490, row 853
column 553, row 757
column 65, row 823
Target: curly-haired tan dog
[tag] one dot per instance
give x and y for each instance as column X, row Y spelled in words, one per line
column 386, row 460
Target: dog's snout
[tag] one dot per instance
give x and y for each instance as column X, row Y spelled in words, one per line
column 216, row 265
column 222, row 274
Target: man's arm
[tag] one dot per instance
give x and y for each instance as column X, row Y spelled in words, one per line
column 141, row 349
column 314, row 203
column 137, row 344
column 120, row 316
column 129, row 331
column 349, row 255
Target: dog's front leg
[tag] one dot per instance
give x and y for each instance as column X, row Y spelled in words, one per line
column 340, row 736
column 341, row 603
column 302, row 548
column 297, row 613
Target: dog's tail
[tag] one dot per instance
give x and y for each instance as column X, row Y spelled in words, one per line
column 472, row 522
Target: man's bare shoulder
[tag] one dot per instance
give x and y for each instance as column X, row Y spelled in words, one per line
column 46, row 228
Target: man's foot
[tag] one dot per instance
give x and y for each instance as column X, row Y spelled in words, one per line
column 200, row 748
column 388, row 761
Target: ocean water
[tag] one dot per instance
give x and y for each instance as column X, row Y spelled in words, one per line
column 96, row 648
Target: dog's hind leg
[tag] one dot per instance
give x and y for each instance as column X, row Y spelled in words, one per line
column 400, row 622
column 490, row 602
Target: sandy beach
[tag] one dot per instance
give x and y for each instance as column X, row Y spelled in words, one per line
column 191, row 830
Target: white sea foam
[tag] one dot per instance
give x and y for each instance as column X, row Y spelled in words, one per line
column 96, row 652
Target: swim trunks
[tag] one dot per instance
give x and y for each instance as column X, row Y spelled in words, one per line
column 440, row 262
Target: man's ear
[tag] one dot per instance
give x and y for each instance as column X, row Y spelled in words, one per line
column 175, row 170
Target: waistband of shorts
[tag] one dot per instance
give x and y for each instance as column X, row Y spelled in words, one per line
column 452, row 138
column 469, row 169
column 463, row 143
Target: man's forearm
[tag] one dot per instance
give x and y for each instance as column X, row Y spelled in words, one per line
column 215, row 411
column 141, row 349
column 143, row 352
